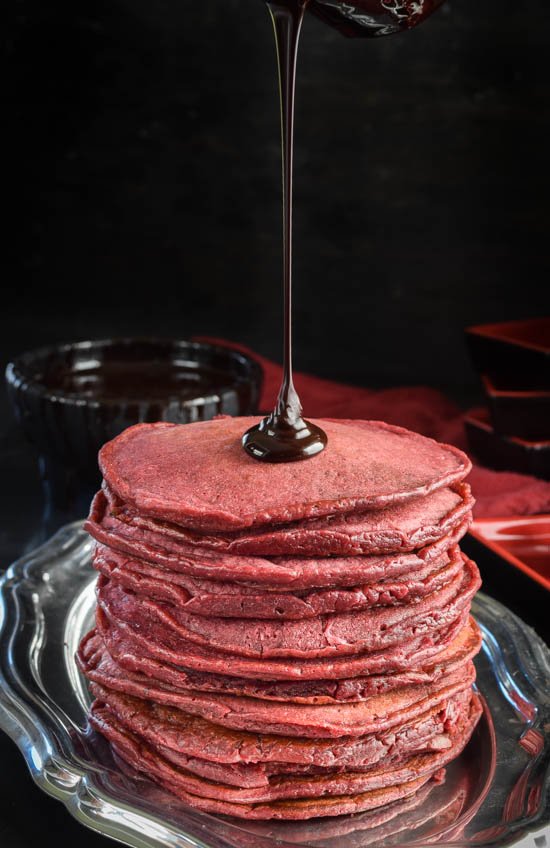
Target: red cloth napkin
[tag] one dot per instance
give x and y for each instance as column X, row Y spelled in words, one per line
column 425, row 410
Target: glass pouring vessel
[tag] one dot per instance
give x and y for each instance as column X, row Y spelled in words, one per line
column 372, row 18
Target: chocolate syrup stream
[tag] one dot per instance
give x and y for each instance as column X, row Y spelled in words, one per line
column 284, row 436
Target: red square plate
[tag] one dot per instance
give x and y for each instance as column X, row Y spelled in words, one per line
column 524, row 414
column 524, row 542
column 514, row 350
column 505, row 453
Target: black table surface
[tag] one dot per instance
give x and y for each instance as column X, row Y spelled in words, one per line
column 27, row 815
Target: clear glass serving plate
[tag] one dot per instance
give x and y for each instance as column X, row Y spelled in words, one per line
column 496, row 793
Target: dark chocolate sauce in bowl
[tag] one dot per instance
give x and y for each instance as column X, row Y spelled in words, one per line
column 284, row 436
column 135, row 381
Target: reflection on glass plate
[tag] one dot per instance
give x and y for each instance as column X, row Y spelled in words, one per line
column 496, row 793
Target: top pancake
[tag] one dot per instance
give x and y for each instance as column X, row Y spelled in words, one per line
column 199, row 476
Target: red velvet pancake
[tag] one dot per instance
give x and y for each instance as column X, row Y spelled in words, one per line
column 234, row 600
column 323, row 637
column 147, row 678
column 202, row 747
column 324, row 720
column 122, row 639
column 433, row 799
column 267, row 573
column 428, row 812
column 288, row 796
column 397, row 527
column 198, row 475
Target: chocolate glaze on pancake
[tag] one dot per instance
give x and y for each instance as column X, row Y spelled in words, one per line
column 284, row 435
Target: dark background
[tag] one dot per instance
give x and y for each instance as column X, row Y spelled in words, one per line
column 146, row 167
column 143, row 196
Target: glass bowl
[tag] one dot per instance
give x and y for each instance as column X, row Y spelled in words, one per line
column 72, row 398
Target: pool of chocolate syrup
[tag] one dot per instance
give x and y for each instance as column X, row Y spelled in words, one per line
column 104, row 380
column 284, row 435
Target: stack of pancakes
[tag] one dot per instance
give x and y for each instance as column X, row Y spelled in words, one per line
column 283, row 641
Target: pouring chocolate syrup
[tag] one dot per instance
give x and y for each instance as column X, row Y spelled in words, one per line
column 284, row 435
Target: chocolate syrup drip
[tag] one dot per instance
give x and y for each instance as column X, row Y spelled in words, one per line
column 284, row 436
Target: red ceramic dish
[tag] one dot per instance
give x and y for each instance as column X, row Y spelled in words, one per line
column 513, row 349
column 505, row 453
column 524, row 542
column 524, row 414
